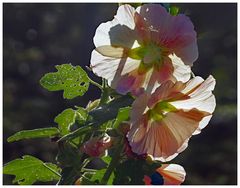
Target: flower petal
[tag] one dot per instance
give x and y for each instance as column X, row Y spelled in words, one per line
column 174, row 32
column 200, row 95
column 119, row 31
column 111, row 68
column 181, row 71
column 173, row 174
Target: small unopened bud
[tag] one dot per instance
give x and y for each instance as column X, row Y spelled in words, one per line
column 92, row 104
column 96, row 147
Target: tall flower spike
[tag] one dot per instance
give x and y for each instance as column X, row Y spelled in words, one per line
column 167, row 174
column 163, row 122
column 140, row 49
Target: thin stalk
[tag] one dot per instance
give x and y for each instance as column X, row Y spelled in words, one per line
column 113, row 163
column 105, row 93
column 49, row 168
column 95, row 83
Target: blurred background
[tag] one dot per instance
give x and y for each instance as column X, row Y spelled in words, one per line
column 38, row 36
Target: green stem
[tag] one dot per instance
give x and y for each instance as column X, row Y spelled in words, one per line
column 113, row 163
column 105, row 93
column 49, row 168
column 95, row 83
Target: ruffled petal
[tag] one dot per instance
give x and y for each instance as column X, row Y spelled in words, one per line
column 200, row 95
column 174, row 32
column 181, row 71
column 119, row 31
column 173, row 174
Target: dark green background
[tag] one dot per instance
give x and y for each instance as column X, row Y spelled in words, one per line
column 38, row 36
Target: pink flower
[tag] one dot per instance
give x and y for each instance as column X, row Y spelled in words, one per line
column 96, row 147
column 140, row 49
column 163, row 122
column 167, row 174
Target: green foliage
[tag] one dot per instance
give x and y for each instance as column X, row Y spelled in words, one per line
column 68, row 155
column 67, row 118
column 81, row 115
column 98, row 175
column 69, row 176
column 29, row 170
column 123, row 115
column 107, row 159
column 109, row 111
column 132, row 171
column 72, row 79
column 173, row 10
column 70, row 160
column 35, row 133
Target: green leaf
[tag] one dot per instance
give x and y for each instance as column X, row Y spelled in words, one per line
column 97, row 177
column 81, row 115
column 68, row 117
column 65, row 120
column 109, row 111
column 174, row 10
column 35, row 133
column 123, row 115
column 107, row 159
column 100, row 115
column 132, row 171
column 72, row 79
column 70, row 160
column 68, row 155
column 29, row 169
column 69, row 176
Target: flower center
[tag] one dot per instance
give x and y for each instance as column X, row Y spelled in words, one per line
column 151, row 55
column 158, row 112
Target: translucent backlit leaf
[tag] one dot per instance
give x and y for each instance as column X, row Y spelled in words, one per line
column 29, row 170
column 35, row 133
column 73, row 80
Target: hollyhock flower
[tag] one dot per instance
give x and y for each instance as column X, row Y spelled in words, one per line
column 167, row 174
column 141, row 48
column 163, row 122
column 96, row 147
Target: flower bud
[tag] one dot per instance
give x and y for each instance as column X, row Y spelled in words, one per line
column 96, row 147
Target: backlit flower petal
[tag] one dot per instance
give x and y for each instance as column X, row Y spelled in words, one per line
column 167, row 119
column 174, row 32
column 140, row 49
column 173, row 174
column 119, row 31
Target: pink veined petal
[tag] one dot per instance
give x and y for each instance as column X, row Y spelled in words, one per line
column 138, row 107
column 166, row 71
column 155, row 140
column 166, row 91
column 165, row 139
column 200, row 95
column 174, row 32
column 173, row 174
column 119, row 31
